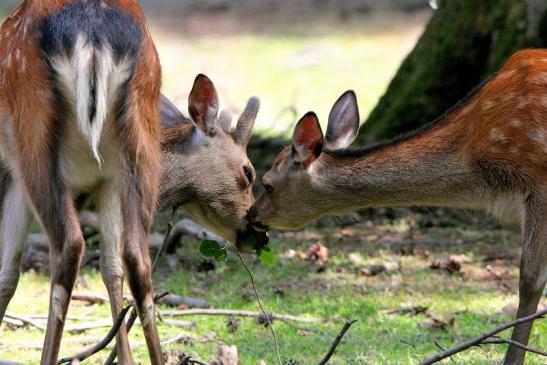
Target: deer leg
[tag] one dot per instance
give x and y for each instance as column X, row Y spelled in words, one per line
column 111, row 222
column 533, row 275
column 55, row 209
column 139, row 272
column 66, row 248
column 14, row 224
column 138, row 138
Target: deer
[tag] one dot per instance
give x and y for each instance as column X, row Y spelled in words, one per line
column 80, row 110
column 487, row 152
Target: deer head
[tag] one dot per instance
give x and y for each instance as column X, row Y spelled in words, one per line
column 205, row 165
column 295, row 192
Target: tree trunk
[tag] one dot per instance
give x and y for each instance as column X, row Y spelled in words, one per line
column 465, row 42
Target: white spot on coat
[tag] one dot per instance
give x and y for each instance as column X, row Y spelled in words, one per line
column 523, row 103
column 497, row 136
column 487, row 105
column 515, row 123
column 538, row 78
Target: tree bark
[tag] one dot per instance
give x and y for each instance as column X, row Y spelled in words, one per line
column 465, row 42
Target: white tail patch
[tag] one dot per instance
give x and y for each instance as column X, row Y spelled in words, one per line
column 75, row 75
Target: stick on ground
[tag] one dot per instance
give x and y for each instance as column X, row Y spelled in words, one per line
column 237, row 313
column 101, row 344
column 479, row 340
column 336, row 342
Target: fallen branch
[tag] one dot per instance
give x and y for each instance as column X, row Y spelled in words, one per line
column 101, row 344
column 174, row 300
column 11, row 345
column 237, row 313
column 91, row 298
column 500, row 341
column 78, row 328
column 336, row 342
column 13, row 322
column 187, row 227
column 26, row 321
column 479, row 340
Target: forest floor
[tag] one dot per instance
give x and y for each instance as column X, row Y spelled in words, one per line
column 402, row 313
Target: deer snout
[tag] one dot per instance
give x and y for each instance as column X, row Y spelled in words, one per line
column 251, row 240
column 254, row 220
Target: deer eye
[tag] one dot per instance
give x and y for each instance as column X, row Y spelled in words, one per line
column 268, row 188
column 248, row 174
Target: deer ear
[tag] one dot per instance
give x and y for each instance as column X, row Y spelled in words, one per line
column 244, row 128
column 225, row 120
column 169, row 113
column 343, row 122
column 307, row 139
column 203, row 104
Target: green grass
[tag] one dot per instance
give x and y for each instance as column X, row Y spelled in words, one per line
column 475, row 299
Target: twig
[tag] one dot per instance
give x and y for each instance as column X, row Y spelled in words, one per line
column 89, row 326
column 11, row 345
column 499, row 340
column 157, row 259
column 25, row 321
column 177, row 323
column 478, row 340
column 262, row 308
column 336, row 342
column 236, row 313
column 163, row 248
column 101, row 344
column 114, row 353
column 92, row 298
column 130, row 322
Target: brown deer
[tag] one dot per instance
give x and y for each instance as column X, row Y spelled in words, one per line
column 80, row 113
column 489, row 151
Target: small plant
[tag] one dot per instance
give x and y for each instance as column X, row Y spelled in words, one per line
column 213, row 249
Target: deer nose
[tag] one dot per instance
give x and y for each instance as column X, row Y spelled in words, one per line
column 252, row 218
column 251, row 240
column 252, row 214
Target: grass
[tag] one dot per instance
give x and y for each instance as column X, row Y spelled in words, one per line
column 474, row 298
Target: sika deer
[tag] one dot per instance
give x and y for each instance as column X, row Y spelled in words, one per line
column 79, row 112
column 205, row 165
column 79, row 97
column 489, row 151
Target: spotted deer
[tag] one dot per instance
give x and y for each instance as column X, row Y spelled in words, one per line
column 489, row 151
column 80, row 113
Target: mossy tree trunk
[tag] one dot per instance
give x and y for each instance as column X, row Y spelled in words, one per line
column 463, row 44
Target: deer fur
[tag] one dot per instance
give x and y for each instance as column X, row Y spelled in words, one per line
column 488, row 152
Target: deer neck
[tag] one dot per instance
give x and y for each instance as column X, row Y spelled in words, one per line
column 426, row 169
column 175, row 189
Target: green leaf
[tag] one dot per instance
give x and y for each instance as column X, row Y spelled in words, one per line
column 210, row 248
column 222, row 254
column 266, row 255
